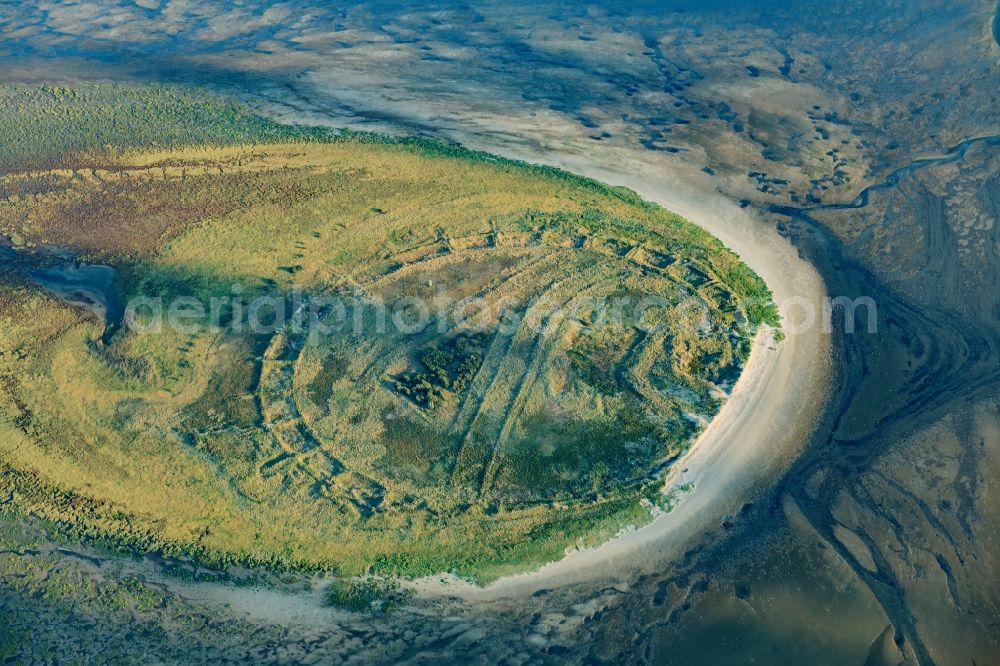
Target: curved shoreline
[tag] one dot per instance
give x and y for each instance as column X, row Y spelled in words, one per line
column 760, row 426
column 759, row 429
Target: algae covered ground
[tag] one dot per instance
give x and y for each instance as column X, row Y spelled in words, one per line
column 341, row 351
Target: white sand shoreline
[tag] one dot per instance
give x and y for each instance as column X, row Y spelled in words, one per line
column 757, row 432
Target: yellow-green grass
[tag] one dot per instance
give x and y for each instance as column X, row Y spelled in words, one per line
column 235, row 446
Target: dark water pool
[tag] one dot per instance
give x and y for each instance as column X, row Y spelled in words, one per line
column 89, row 286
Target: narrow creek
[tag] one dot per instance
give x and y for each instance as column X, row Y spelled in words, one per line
column 958, row 366
column 953, row 154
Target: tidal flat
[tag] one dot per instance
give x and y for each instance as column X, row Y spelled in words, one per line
column 870, row 540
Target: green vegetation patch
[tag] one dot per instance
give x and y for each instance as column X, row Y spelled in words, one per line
column 444, row 368
column 372, row 595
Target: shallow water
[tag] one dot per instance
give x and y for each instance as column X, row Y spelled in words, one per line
column 92, row 287
column 89, row 286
